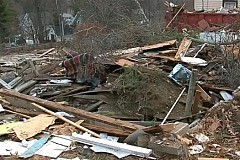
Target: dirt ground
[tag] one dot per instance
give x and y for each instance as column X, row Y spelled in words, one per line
column 148, row 92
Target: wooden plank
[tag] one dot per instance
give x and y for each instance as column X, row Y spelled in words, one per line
column 185, row 44
column 215, row 88
column 34, row 69
column 170, row 51
column 166, row 58
column 22, row 110
column 26, row 66
column 25, row 86
column 159, row 45
column 112, row 131
column 94, row 106
column 69, row 92
column 45, row 53
column 134, row 150
column 20, row 114
column 204, row 94
column 191, row 91
column 66, row 120
column 55, row 106
column 124, row 62
column 195, row 108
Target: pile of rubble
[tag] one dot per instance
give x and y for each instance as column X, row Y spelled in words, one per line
column 131, row 103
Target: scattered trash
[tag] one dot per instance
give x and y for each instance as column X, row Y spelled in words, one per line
column 202, row 138
column 180, row 75
column 55, row 146
column 196, row 149
column 119, row 149
column 226, row 96
column 33, row 126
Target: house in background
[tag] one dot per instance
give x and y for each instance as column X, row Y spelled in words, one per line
column 209, row 5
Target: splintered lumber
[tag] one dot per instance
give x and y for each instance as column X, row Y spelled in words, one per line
column 68, row 109
column 191, row 91
column 25, row 86
column 204, row 94
column 185, row 44
column 170, row 51
column 166, row 58
column 112, row 131
column 45, row 53
column 20, row 114
column 94, row 106
column 124, row 62
column 34, row 69
column 159, row 45
column 66, row 120
column 195, row 108
column 69, row 92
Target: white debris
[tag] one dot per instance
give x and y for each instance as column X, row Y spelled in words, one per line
column 202, row 138
column 196, row 149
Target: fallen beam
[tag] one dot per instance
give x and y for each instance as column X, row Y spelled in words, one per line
column 66, row 120
column 79, row 112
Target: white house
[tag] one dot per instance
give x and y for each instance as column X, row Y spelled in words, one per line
column 209, row 5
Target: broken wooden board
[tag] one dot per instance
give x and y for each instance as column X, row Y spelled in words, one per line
column 124, row 62
column 34, row 69
column 166, row 58
column 185, row 44
column 66, row 120
column 112, row 131
column 170, row 51
column 94, row 106
column 68, row 109
column 42, row 70
column 215, row 88
column 33, row 126
column 25, row 86
column 159, row 45
column 204, row 94
column 67, row 92
column 45, row 53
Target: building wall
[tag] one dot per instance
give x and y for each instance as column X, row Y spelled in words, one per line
column 207, row 5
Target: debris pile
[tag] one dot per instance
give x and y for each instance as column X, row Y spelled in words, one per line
column 154, row 101
column 220, row 127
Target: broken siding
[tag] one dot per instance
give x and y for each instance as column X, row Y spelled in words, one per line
column 207, row 4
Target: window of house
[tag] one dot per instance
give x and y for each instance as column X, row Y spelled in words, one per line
column 230, row 5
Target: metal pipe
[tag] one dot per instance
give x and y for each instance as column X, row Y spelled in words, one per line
column 173, row 106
